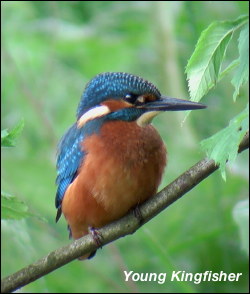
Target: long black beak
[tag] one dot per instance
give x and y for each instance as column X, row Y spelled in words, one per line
column 172, row 104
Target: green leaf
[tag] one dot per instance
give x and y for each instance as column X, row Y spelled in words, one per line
column 4, row 133
column 242, row 74
column 12, row 207
column 223, row 146
column 8, row 138
column 204, row 66
column 231, row 66
column 241, row 217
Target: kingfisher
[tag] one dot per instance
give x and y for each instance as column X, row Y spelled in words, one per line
column 111, row 159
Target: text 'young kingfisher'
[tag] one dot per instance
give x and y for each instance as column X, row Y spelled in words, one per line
column 111, row 159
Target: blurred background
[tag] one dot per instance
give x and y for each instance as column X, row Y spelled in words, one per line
column 50, row 50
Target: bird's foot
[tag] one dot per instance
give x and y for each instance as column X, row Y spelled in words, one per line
column 137, row 214
column 96, row 235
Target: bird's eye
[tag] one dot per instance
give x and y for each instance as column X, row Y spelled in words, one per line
column 131, row 98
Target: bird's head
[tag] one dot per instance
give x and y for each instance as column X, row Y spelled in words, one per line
column 126, row 97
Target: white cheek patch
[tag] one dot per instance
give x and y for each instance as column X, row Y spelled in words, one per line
column 146, row 118
column 91, row 114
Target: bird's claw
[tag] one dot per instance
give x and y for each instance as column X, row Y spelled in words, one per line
column 96, row 235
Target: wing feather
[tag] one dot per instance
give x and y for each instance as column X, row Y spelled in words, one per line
column 70, row 158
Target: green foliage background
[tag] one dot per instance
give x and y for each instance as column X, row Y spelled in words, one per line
column 49, row 51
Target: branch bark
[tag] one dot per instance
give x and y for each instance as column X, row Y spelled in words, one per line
column 126, row 225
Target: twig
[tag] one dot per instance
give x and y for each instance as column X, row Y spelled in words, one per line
column 127, row 225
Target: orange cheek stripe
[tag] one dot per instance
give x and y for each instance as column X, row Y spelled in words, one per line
column 114, row 105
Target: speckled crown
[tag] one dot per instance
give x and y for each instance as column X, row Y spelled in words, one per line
column 115, row 85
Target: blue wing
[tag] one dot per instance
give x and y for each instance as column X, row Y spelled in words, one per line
column 70, row 157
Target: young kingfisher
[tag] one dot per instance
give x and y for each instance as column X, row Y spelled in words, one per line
column 112, row 158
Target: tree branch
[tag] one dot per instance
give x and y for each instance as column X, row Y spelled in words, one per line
column 126, row 225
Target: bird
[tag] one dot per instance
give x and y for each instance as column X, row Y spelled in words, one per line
column 111, row 159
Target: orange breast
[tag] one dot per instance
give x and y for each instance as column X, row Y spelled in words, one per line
column 123, row 167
